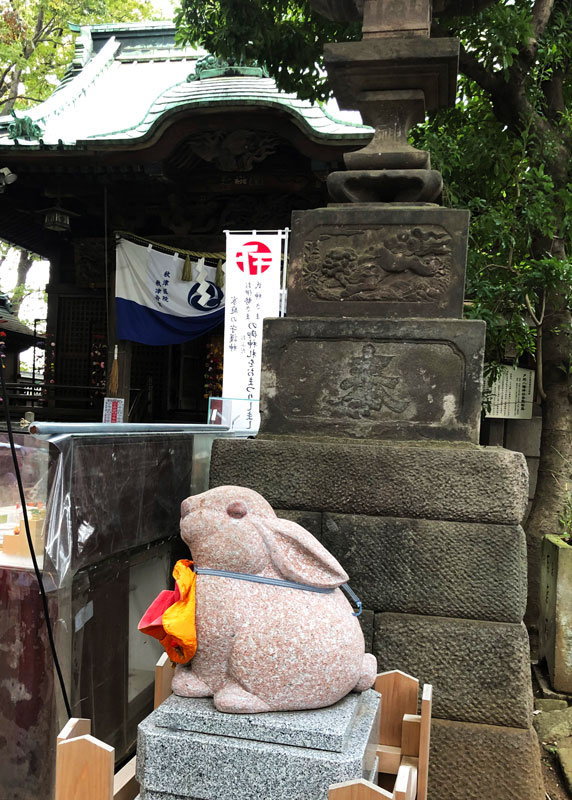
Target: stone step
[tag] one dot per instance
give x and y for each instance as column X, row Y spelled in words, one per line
column 483, row 762
column 480, row 671
column 430, row 481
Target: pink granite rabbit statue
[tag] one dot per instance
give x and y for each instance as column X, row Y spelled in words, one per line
column 266, row 647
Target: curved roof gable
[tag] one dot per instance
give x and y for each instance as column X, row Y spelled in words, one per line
column 125, row 80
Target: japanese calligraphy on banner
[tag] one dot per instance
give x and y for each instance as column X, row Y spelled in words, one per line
column 512, row 394
column 252, row 290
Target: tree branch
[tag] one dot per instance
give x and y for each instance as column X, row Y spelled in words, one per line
column 553, row 90
column 541, row 14
column 29, row 99
column 39, row 24
column 473, row 69
column 537, row 320
column 498, row 266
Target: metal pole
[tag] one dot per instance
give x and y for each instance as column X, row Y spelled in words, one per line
column 62, row 428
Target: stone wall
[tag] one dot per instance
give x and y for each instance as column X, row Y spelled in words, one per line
column 429, row 534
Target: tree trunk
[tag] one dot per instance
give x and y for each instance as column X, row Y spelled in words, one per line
column 555, row 466
column 13, row 92
column 25, row 261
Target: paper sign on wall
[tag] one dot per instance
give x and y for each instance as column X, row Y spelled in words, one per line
column 252, row 290
column 113, row 409
column 512, row 394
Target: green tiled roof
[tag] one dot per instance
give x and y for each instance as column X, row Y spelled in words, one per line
column 125, row 80
column 11, row 324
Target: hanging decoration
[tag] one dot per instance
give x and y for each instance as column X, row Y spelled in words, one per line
column 219, row 277
column 98, row 370
column 113, row 382
column 187, row 273
column 49, row 362
column 165, row 296
column 213, row 368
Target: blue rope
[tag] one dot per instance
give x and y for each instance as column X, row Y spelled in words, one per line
column 245, row 576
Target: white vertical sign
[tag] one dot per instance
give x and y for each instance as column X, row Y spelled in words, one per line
column 252, row 292
column 512, row 394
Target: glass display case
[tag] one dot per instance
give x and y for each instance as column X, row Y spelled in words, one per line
column 104, row 516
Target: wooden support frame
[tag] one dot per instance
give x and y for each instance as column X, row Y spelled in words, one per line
column 425, row 740
column 85, row 765
column 163, row 676
column 399, row 693
column 357, row 790
column 404, row 740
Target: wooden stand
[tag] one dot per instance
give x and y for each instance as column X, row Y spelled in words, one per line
column 404, row 739
column 84, row 765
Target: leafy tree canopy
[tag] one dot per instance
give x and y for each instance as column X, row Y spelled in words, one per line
column 287, row 36
column 36, row 42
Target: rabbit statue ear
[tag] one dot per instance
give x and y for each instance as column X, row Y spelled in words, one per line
column 298, row 556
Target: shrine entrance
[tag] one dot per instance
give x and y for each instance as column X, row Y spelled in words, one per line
column 186, row 154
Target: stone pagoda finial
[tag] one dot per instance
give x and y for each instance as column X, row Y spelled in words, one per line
column 384, row 18
column 393, row 76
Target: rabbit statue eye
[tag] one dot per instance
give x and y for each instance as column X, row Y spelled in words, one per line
column 237, row 510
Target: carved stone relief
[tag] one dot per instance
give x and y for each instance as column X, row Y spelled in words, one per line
column 378, row 377
column 369, row 389
column 403, row 265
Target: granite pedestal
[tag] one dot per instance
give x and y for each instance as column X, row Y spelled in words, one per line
column 187, row 750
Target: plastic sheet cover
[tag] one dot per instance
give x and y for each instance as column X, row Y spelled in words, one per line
column 104, row 515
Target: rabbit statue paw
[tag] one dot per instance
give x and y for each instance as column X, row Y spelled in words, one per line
column 274, row 630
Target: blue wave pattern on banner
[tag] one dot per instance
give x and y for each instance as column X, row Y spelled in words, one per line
column 155, row 305
column 147, row 326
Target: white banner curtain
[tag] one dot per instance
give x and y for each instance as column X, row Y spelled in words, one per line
column 154, row 305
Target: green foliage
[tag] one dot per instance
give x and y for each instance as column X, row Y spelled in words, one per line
column 286, row 36
column 36, row 43
column 504, row 160
column 497, row 34
column 502, row 179
column 512, row 174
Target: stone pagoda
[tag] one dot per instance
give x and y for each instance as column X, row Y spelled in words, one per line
column 371, row 403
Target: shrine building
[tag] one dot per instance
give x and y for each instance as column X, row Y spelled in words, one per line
column 172, row 147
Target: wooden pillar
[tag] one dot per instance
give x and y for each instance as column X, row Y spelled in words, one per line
column 124, row 369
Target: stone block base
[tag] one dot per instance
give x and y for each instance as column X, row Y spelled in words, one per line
column 480, row 671
column 478, row 762
column 378, row 260
column 556, row 611
column 429, row 481
column 189, row 751
column 373, row 378
column 445, row 569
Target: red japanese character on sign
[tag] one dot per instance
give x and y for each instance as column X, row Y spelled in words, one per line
column 254, row 258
